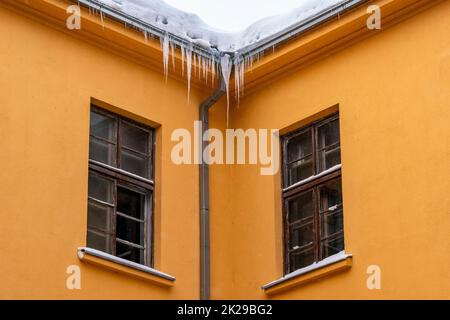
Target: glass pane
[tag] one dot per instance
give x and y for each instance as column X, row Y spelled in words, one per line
column 329, row 153
column 99, row 216
column 299, row 147
column 130, row 203
column 329, row 158
column 301, row 236
column 130, row 253
column 331, row 224
column 300, row 170
column 103, row 126
column 301, row 207
column 135, row 138
column 330, row 247
column 102, row 151
column 331, row 195
column 99, row 241
column 302, row 259
column 328, row 134
column 100, row 188
column 130, row 230
column 134, row 163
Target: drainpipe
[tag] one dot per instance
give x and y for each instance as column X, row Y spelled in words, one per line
column 205, row 263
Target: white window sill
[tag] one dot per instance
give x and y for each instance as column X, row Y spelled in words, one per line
column 326, row 266
column 130, row 268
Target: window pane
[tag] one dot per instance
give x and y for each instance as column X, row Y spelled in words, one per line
column 130, row 253
column 299, row 146
column 331, row 224
column 103, row 126
column 130, row 203
column 300, row 170
column 331, row 195
column 301, row 236
column 130, row 230
column 134, row 163
column 102, row 151
column 302, row 259
column 329, row 153
column 135, row 138
column 99, row 216
column 301, row 207
column 99, row 241
column 328, row 134
column 330, row 247
column 329, row 158
column 100, row 188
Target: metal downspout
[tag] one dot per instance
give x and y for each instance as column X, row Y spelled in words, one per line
column 205, row 264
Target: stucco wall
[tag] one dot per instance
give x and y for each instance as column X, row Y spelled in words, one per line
column 393, row 95
column 47, row 80
column 394, row 104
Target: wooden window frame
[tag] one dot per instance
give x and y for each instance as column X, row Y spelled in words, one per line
column 130, row 181
column 313, row 184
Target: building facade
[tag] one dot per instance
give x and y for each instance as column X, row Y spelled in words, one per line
column 383, row 160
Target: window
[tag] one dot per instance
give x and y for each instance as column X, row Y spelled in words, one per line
column 312, row 194
column 120, row 187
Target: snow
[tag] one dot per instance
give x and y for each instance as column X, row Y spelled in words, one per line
column 316, row 265
column 196, row 32
column 313, row 177
column 190, row 27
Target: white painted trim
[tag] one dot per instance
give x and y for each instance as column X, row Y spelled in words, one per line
column 108, row 257
column 316, row 265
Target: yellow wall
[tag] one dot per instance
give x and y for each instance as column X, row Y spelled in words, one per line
column 393, row 95
column 394, row 104
column 47, row 79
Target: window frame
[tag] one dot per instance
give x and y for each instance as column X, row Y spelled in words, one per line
column 313, row 184
column 127, row 180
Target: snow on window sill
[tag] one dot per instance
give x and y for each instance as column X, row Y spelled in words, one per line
column 312, row 178
column 129, row 268
column 332, row 264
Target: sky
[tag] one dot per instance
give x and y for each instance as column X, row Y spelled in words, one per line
column 234, row 15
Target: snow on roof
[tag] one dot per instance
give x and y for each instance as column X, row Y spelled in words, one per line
column 190, row 27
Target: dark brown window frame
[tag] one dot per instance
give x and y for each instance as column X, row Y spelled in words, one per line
column 312, row 184
column 130, row 181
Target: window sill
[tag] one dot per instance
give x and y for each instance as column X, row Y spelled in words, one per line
column 129, row 268
column 335, row 263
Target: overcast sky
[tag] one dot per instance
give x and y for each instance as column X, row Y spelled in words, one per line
column 234, row 15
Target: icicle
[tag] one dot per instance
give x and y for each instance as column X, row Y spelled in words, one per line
column 194, row 64
column 199, row 66
column 213, row 71
column 226, row 65
column 165, row 49
column 182, row 61
column 145, row 35
column 208, row 62
column 241, row 80
column 101, row 18
column 188, row 67
column 236, row 79
column 203, row 67
column 172, row 50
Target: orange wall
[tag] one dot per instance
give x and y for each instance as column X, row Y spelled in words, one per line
column 47, row 79
column 394, row 103
column 392, row 91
